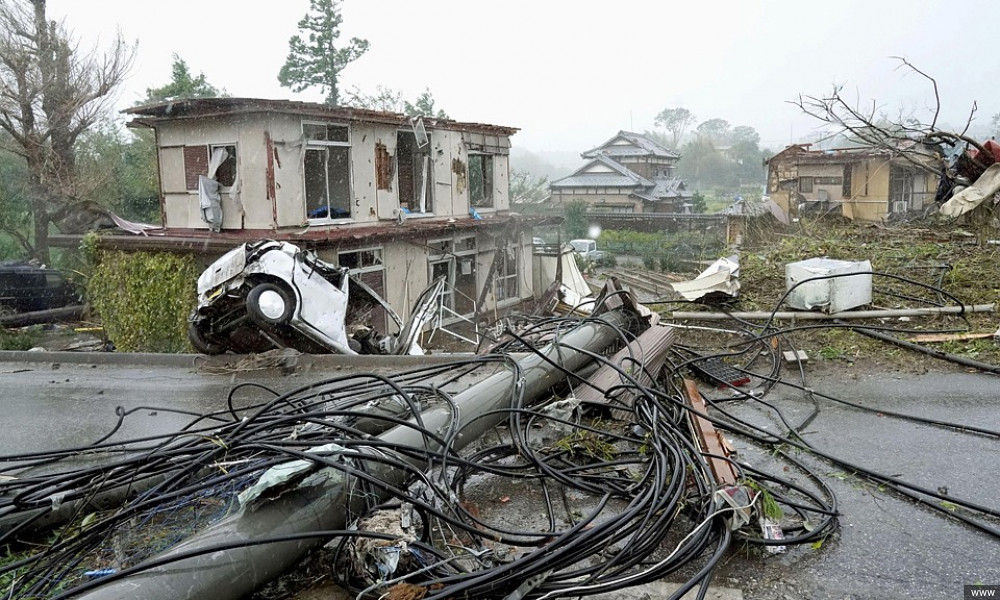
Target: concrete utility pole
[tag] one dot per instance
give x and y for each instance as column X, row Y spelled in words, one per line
column 324, row 500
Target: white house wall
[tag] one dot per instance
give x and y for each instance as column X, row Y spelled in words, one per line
column 249, row 132
column 501, row 184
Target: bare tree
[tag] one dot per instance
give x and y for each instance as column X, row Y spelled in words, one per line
column 918, row 141
column 676, row 121
column 51, row 92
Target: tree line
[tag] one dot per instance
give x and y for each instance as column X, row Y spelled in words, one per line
column 714, row 154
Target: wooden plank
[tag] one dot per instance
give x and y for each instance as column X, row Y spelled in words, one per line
column 711, row 441
column 649, row 349
column 948, row 337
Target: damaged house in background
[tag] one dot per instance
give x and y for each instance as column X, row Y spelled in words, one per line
column 862, row 184
column 400, row 203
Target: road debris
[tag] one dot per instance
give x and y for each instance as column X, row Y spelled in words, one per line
column 423, row 484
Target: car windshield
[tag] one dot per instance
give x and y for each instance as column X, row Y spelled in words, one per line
column 581, row 245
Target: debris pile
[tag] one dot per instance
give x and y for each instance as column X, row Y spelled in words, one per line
column 591, row 464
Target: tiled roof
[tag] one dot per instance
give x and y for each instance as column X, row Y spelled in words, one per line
column 620, row 177
column 641, row 146
column 671, row 187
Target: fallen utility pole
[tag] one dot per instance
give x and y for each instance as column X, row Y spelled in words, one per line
column 818, row 316
column 227, row 562
column 66, row 313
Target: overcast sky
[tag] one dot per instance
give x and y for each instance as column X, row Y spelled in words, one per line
column 571, row 74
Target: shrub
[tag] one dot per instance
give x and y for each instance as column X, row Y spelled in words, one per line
column 650, row 261
column 18, row 339
column 609, row 261
column 144, row 299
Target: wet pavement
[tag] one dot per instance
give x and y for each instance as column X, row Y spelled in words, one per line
column 887, row 547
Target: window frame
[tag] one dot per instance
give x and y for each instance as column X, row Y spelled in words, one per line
column 429, row 184
column 377, row 265
column 488, row 202
column 326, row 144
column 191, row 184
column 503, row 281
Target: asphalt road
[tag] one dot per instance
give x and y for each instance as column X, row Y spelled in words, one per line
column 887, row 547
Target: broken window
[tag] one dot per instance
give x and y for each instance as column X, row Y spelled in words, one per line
column 369, row 259
column 445, row 268
column 846, row 189
column 481, row 180
column 327, row 171
column 196, row 162
column 455, row 260
column 367, row 265
column 507, row 273
column 806, row 185
column 415, row 171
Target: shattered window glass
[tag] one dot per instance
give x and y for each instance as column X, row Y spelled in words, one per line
column 357, row 261
column 481, row 180
column 226, row 173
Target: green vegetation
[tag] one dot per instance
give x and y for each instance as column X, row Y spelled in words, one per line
column 316, row 58
column 940, row 257
column 19, row 339
column 575, row 221
column 663, row 251
column 144, row 299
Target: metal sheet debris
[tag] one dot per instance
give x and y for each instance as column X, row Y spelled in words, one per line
column 721, row 278
column 828, row 284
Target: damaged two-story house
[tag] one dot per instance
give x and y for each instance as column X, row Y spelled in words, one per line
column 399, row 202
column 863, row 184
column 630, row 173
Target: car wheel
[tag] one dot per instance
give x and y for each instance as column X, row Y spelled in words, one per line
column 201, row 343
column 269, row 304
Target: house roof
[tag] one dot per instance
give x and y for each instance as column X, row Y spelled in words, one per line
column 669, row 187
column 637, row 145
column 202, row 240
column 195, row 108
column 618, row 176
column 803, row 155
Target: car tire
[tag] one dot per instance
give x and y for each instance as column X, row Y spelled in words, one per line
column 201, row 343
column 270, row 305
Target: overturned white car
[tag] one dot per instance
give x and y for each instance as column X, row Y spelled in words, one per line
column 267, row 294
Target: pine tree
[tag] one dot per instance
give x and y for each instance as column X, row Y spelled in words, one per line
column 317, row 60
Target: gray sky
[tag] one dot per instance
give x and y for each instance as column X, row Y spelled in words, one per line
column 570, row 74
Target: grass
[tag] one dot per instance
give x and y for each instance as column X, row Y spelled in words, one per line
column 939, row 256
column 19, row 339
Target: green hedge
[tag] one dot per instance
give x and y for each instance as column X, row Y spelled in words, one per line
column 144, row 299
